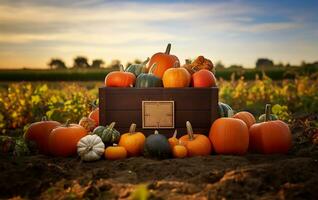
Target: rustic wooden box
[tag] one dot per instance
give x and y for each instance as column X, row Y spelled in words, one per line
column 124, row 106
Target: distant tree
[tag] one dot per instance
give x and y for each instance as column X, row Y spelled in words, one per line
column 114, row 64
column 97, row 63
column 56, row 63
column 137, row 61
column 263, row 63
column 219, row 65
column 280, row 64
column 80, row 62
column 235, row 67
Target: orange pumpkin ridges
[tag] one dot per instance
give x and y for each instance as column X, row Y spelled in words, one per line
column 176, row 77
column 196, row 144
column 203, row 78
column 63, row 139
column 115, row 152
column 246, row 117
column 120, row 78
column 270, row 137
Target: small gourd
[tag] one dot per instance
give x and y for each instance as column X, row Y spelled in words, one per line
column 157, row 146
column 115, row 152
column 179, row 151
column 173, row 140
column 225, row 110
column 108, row 134
column 87, row 123
column 90, row 148
column 145, row 80
column 137, row 69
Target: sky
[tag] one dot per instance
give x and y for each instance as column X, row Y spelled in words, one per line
column 232, row 31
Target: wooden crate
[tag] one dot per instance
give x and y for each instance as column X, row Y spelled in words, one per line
column 124, row 106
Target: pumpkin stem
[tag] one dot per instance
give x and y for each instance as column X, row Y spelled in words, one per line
column 156, row 132
column 189, row 130
column 268, row 108
column 168, row 49
column 44, row 118
column 67, row 123
column 230, row 113
column 121, row 68
column 175, row 133
column 152, row 68
column 112, row 125
column 146, row 61
column 132, row 128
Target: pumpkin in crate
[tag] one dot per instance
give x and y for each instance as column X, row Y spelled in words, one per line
column 90, row 148
column 179, row 151
column 87, row 123
column 115, row 152
column 270, row 137
column 39, row 133
column 120, row 78
column 173, row 140
column 137, row 69
column 164, row 62
column 246, row 117
column 199, row 63
column 148, row 80
column 203, row 78
column 133, row 141
column 196, row 144
column 229, row 136
column 176, row 77
column 108, row 134
column 63, row 139
column 225, row 110
column 157, row 146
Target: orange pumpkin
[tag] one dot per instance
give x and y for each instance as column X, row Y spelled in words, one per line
column 196, row 144
column 179, row 151
column 63, row 139
column 270, row 137
column 94, row 115
column 229, row 136
column 120, row 78
column 115, row 152
column 246, row 117
column 133, row 141
column 39, row 132
column 164, row 61
column 173, row 140
column 176, row 77
column 203, row 78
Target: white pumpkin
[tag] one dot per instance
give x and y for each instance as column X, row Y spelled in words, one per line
column 90, row 148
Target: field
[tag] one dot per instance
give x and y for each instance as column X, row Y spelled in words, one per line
column 254, row 176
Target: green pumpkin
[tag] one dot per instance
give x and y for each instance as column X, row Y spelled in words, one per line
column 157, row 146
column 225, row 110
column 148, row 80
column 108, row 134
column 137, row 69
column 270, row 117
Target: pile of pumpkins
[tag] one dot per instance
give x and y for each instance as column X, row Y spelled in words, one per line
column 164, row 70
column 235, row 135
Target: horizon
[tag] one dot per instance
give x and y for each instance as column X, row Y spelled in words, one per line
column 233, row 32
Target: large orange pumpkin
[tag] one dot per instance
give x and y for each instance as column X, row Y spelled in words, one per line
column 39, row 132
column 164, row 61
column 247, row 117
column 63, row 139
column 120, row 78
column 270, row 137
column 203, row 78
column 196, row 144
column 229, row 136
column 132, row 141
column 176, row 77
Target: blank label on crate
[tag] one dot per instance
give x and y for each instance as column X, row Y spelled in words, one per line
column 158, row 114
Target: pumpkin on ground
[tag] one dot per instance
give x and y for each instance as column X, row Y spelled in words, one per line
column 137, row 69
column 94, row 115
column 270, row 137
column 115, row 152
column 133, row 141
column 225, row 110
column 108, row 134
column 179, row 151
column 148, row 80
column 271, row 117
column 87, row 123
column 63, row 139
column 164, row 62
column 203, row 78
column 196, row 144
column 120, row 78
column 90, row 148
column 157, row 146
column 39, row 133
column 229, row 136
column 176, row 77
column 246, row 117
column 173, row 140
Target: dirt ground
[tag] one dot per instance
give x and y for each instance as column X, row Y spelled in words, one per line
column 252, row 176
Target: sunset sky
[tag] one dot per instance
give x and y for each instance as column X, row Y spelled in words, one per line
column 235, row 32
